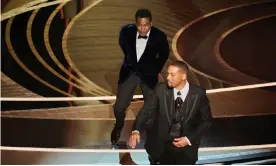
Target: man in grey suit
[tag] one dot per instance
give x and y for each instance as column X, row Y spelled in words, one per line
column 176, row 118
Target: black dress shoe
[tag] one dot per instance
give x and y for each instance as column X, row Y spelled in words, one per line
column 115, row 135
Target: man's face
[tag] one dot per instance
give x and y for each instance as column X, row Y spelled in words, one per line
column 175, row 76
column 143, row 25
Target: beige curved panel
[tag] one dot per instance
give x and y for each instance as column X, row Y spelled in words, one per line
column 178, row 57
column 10, row 88
column 87, row 88
column 224, row 35
column 204, row 81
column 16, row 6
column 216, row 84
column 22, row 65
column 193, row 77
column 27, row 8
column 66, row 53
column 38, row 57
column 175, row 39
column 210, row 83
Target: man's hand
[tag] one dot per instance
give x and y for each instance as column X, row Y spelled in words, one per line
column 180, row 142
column 134, row 138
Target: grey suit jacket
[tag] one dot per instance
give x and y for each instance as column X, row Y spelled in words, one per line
column 156, row 118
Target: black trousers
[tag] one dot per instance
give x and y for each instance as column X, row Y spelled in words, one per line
column 171, row 156
column 175, row 158
column 124, row 96
column 172, row 159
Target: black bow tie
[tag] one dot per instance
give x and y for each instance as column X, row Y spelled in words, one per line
column 143, row 37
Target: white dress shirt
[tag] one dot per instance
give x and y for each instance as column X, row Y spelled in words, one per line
column 141, row 45
column 183, row 92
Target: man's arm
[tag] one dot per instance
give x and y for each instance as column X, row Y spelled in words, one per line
column 164, row 51
column 205, row 120
column 122, row 36
column 148, row 111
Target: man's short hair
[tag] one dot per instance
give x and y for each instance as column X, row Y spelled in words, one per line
column 143, row 13
column 181, row 65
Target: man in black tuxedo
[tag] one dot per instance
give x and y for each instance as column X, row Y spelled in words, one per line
column 146, row 50
column 180, row 115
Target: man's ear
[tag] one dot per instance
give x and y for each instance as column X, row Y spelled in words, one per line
column 184, row 76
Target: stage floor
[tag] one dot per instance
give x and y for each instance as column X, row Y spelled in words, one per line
column 95, row 134
column 107, row 158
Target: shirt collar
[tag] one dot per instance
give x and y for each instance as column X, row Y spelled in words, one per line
column 184, row 90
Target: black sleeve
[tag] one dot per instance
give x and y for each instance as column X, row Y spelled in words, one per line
column 122, row 36
column 164, row 51
column 149, row 110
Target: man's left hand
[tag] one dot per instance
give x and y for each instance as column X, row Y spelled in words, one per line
column 180, row 142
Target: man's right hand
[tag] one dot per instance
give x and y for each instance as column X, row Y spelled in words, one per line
column 134, row 138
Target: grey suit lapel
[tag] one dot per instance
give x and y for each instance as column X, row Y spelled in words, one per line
column 169, row 101
column 191, row 101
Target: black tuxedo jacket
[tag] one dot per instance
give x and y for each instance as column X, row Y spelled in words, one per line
column 197, row 119
column 152, row 60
